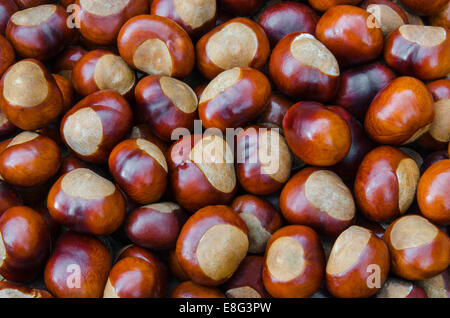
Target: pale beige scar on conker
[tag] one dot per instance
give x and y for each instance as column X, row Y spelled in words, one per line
column 285, row 259
column 325, row 191
column 85, row 184
column 234, row 45
column 220, row 250
column 347, row 249
column 25, row 84
column 214, row 158
column 412, row 231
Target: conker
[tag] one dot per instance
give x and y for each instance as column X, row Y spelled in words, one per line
column 442, row 18
column 66, row 60
column 78, row 267
column 201, row 171
column 357, row 255
column 247, row 281
column 263, row 160
column 8, row 197
column 29, row 160
column 7, row 9
column 437, row 286
column 316, row 135
column 96, row 124
column 261, row 217
column 239, row 42
column 196, row 17
column 385, row 184
column 131, row 277
column 160, row 269
column 7, row 54
column 30, row 3
column 175, row 267
column 235, row 97
column 100, row 21
column 101, row 69
column 361, row 145
column 303, row 68
column 30, row 97
column 190, row 289
column 286, row 17
column 212, row 244
column 318, row 198
column 427, row 54
column 432, row 159
column 157, row 46
column 143, row 131
column 419, row 249
column 274, row 112
column 155, row 226
column 422, row 8
column 324, row 5
column 140, row 169
column 438, row 135
column 39, row 32
column 359, row 85
column 345, row 31
column 432, row 193
column 86, row 202
column 400, row 113
column 294, row 263
column 24, row 244
column 68, row 97
column 166, row 104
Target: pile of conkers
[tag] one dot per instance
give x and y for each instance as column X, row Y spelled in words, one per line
column 224, row 148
